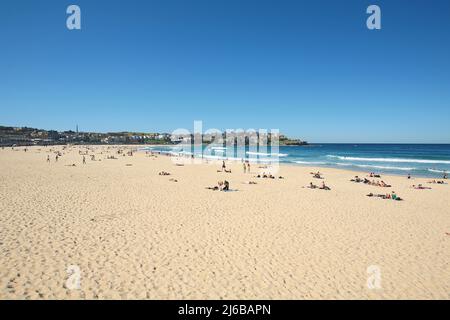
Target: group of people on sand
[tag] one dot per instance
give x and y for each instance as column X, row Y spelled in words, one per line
column 371, row 183
column 419, row 187
column 436, row 182
column 322, row 187
column 57, row 156
column 85, row 154
column 221, row 186
column 391, row 196
column 267, row 176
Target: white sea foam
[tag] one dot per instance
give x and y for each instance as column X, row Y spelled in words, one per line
column 267, row 154
column 210, row 157
column 309, row 162
column 437, row 171
column 375, row 166
column 389, row 159
column 218, row 148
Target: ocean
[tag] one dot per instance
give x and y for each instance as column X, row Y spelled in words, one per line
column 426, row 160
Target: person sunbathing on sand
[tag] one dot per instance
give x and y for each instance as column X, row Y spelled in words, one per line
column 375, row 195
column 356, row 179
column 312, row 186
column 388, row 196
column 164, row 173
column 384, row 185
column 420, row 187
column 218, row 187
column 395, row 197
column 324, row 187
column 317, row 175
column 222, row 186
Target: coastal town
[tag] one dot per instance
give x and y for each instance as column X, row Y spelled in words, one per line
column 25, row 136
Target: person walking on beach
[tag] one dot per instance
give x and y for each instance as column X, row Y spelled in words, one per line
column 56, row 158
column 48, row 159
column 248, row 167
column 245, row 168
column 84, row 160
column 223, row 166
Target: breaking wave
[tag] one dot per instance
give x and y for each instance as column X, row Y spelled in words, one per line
column 389, row 159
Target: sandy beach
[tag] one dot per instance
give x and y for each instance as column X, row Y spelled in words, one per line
column 135, row 234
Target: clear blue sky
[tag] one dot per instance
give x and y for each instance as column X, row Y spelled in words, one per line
column 309, row 68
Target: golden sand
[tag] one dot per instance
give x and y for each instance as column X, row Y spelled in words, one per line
column 134, row 234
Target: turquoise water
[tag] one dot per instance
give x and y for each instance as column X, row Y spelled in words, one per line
column 430, row 160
